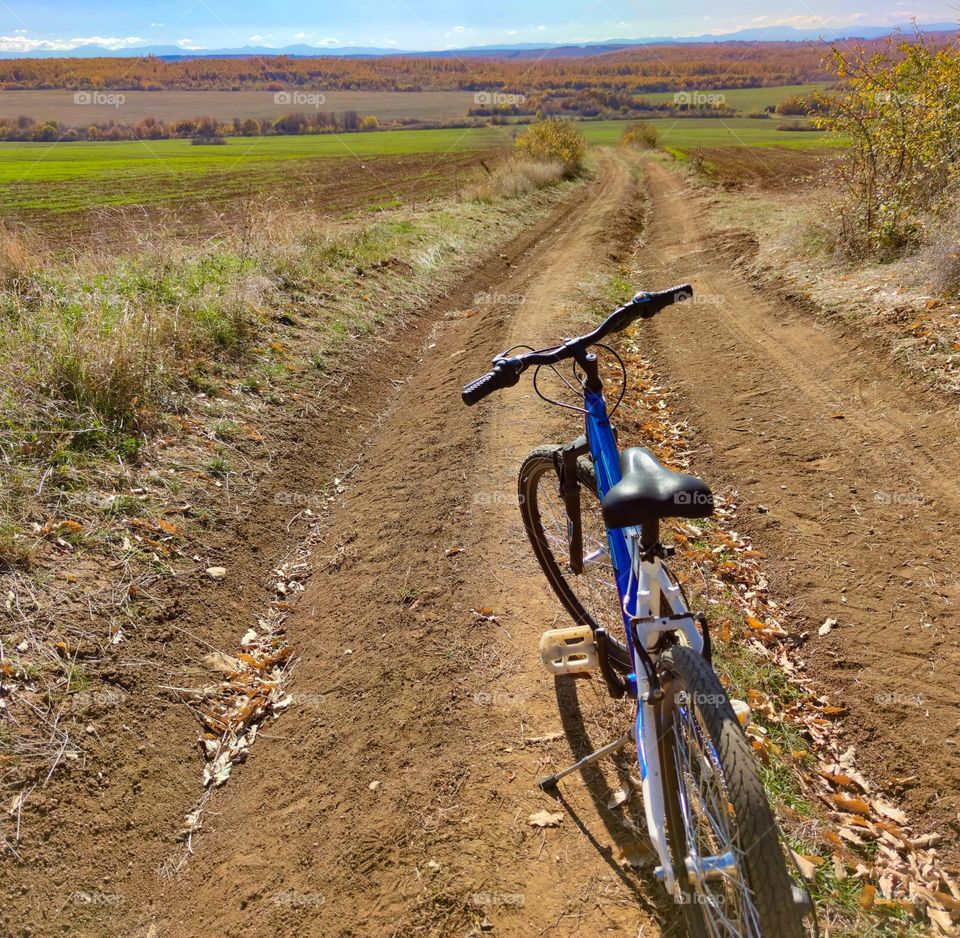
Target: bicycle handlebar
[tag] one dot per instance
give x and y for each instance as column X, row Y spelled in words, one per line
column 507, row 370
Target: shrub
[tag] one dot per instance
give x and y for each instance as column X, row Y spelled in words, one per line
column 901, row 114
column 554, row 141
column 643, row 135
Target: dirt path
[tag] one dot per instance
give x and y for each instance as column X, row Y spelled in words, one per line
column 392, row 799
column 848, row 477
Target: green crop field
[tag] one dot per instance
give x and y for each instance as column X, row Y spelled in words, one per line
column 688, row 132
column 47, row 180
column 746, row 100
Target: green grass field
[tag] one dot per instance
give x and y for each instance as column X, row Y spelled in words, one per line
column 689, row 132
column 747, row 100
column 50, row 179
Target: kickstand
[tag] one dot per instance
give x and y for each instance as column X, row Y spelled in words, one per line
column 549, row 782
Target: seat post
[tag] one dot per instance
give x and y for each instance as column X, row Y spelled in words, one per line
column 650, row 534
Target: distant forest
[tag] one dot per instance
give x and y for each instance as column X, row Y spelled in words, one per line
column 672, row 67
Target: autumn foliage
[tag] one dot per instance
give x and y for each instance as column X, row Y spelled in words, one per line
column 901, row 112
column 554, row 141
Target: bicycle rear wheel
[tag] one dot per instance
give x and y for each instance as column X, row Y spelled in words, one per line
column 724, row 840
column 590, row 597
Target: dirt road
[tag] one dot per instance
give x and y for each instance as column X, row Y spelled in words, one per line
column 393, row 798
column 848, row 478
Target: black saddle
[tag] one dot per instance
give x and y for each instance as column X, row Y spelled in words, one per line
column 649, row 491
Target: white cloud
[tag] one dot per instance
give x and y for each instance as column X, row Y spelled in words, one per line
column 541, row 28
column 256, row 38
column 20, row 43
column 188, row 44
column 457, row 29
column 300, row 35
column 328, row 42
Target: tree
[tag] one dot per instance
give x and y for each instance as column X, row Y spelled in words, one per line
column 901, row 114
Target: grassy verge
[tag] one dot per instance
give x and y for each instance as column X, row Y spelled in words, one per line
column 869, row 873
column 910, row 306
column 135, row 389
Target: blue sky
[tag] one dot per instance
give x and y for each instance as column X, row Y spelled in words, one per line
column 27, row 25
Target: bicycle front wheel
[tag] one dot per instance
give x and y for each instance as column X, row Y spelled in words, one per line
column 591, row 597
column 724, row 841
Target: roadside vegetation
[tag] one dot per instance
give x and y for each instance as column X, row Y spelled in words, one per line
column 900, row 111
column 645, row 136
column 136, row 392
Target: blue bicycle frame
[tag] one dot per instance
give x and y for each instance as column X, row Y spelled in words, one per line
column 642, row 584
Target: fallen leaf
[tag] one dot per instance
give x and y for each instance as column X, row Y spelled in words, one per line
column 888, row 810
column 868, row 896
column 841, row 781
column 827, row 627
column 218, row 661
column 807, row 865
column 853, row 805
column 217, row 573
column 545, row 819
column 453, row 551
column 619, row 796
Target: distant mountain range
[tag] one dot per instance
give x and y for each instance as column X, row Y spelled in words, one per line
column 519, row 50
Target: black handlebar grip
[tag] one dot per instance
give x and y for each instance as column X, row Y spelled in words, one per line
column 478, row 389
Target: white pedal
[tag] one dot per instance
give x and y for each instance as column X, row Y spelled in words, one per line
column 569, row 651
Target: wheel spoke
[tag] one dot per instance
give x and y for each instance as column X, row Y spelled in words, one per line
column 723, row 895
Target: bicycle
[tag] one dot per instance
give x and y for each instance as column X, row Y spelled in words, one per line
column 593, row 518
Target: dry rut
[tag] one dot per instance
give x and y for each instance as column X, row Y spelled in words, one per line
column 393, row 798
column 848, row 478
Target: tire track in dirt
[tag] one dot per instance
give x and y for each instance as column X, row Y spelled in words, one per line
column 393, row 798
column 97, row 837
column 848, row 477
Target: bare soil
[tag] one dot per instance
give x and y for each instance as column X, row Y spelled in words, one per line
column 846, row 470
column 393, row 798
column 62, row 105
column 236, row 197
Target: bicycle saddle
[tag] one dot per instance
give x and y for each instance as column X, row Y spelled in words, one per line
column 649, row 491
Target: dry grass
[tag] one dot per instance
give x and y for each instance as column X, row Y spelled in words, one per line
column 939, row 256
column 515, row 178
column 135, row 395
column 14, row 256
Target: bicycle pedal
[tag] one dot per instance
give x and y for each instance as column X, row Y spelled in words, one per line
column 569, row 651
column 742, row 709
